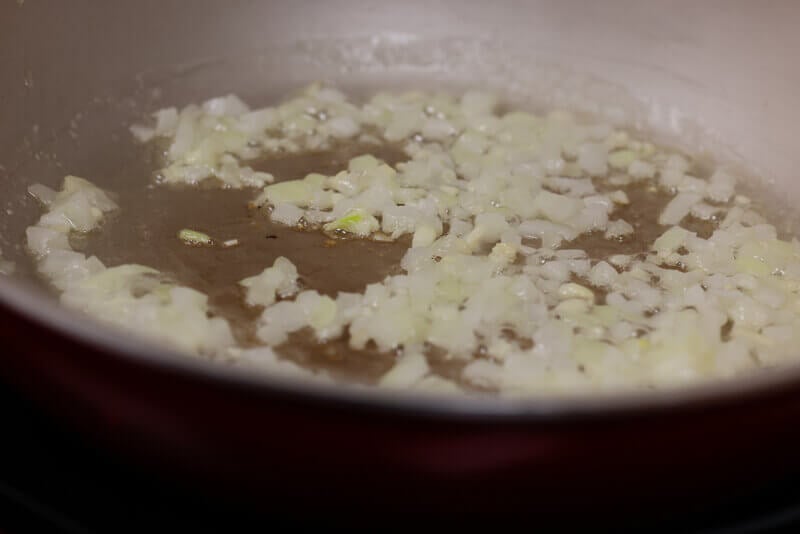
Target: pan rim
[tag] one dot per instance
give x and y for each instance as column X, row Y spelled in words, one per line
column 117, row 343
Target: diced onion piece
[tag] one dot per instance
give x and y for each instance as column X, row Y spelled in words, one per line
column 641, row 169
column 355, row 221
column 572, row 290
column 410, row 368
column 280, row 280
column 489, row 227
column 343, row 127
column 617, row 229
column 602, row 274
column 287, row 214
column 557, row 208
column 297, row 192
column 678, row 208
column 42, row 193
column 621, row 159
column 424, row 236
column 194, row 238
column 593, row 158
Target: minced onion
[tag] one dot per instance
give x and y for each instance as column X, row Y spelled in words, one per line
column 194, row 237
column 131, row 296
column 490, row 203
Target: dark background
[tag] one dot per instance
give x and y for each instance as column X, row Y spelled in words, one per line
column 52, row 480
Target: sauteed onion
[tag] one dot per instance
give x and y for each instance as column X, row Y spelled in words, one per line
column 498, row 207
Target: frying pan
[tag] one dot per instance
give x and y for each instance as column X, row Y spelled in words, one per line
column 721, row 75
